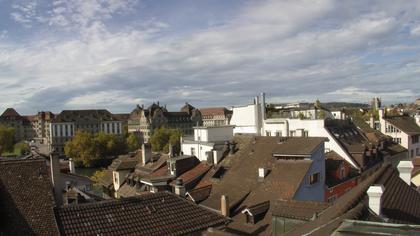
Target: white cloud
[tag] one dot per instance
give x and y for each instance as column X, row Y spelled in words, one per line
column 332, row 50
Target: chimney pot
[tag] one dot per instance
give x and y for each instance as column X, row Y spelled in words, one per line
column 225, row 209
column 262, row 172
column 375, row 198
column 72, row 168
column 179, row 187
column 405, row 168
column 146, row 153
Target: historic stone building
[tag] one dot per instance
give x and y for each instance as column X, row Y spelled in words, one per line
column 144, row 121
column 65, row 125
column 21, row 124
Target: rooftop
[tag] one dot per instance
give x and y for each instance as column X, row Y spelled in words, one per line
column 151, row 214
column 26, row 198
column 304, row 146
column 405, row 123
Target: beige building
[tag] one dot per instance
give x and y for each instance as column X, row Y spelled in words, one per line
column 144, row 121
column 65, row 125
column 215, row 116
column 21, row 124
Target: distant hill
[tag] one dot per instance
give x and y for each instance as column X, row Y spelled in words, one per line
column 338, row 105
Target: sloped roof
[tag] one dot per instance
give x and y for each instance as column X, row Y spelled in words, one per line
column 10, row 112
column 123, row 163
column 84, row 116
column 298, row 145
column 199, row 194
column 405, row 123
column 151, row 214
column 214, row 111
column 26, row 198
column 300, row 210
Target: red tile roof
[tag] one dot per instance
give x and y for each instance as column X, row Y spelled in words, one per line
column 213, row 111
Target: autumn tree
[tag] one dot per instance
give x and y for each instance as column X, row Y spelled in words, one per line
column 162, row 137
column 133, row 142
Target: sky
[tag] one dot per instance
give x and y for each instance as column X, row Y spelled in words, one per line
column 114, row 54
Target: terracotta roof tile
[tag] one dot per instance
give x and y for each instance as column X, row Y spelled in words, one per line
column 26, row 199
column 151, row 214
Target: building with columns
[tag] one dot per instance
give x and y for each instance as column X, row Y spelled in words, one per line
column 65, row 125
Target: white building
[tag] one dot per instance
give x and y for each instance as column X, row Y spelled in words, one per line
column 404, row 130
column 248, row 119
column 208, row 143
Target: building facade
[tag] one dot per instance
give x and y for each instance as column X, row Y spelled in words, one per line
column 21, row 124
column 144, row 121
column 216, row 116
column 404, row 130
column 65, row 125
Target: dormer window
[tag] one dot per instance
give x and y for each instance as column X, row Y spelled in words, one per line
column 314, row 178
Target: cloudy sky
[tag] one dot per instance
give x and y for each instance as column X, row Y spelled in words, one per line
column 68, row 54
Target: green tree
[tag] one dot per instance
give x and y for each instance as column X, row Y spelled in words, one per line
column 22, row 147
column 7, row 136
column 133, row 142
column 162, row 137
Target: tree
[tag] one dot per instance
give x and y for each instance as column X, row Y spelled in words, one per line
column 22, row 147
column 133, row 142
column 85, row 148
column 7, row 136
column 162, row 137
column 82, row 148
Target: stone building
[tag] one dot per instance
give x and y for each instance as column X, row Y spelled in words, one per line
column 21, row 124
column 65, row 125
column 144, row 121
column 215, row 116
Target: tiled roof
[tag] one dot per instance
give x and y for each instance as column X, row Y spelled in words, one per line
column 243, row 186
column 258, row 208
column 416, row 165
column 199, row 194
column 123, row 163
column 26, row 199
column 10, row 112
column 400, row 202
column 214, row 111
column 300, row 210
column 151, row 214
column 122, row 116
column 193, row 174
column 297, row 145
column 84, row 116
column 405, row 123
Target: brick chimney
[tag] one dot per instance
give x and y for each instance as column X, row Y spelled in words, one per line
column 405, row 168
column 146, row 153
column 224, row 205
column 375, row 198
column 180, row 188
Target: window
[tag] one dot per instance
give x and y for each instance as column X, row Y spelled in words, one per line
column 305, row 133
column 397, row 140
column 314, row 178
column 278, row 133
column 332, row 198
column 292, row 133
column 267, row 133
column 414, row 139
column 192, row 151
column 412, row 153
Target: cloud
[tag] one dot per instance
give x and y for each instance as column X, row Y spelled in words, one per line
column 331, row 51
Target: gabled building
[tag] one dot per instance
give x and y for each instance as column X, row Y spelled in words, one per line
column 403, row 129
column 65, row 125
column 381, row 196
column 144, row 121
column 22, row 124
column 245, row 185
column 215, row 116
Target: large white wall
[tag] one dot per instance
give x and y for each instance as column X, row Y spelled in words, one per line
column 211, row 134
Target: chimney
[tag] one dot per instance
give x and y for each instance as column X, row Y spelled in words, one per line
column 381, row 113
column 55, row 177
column 179, row 188
column 375, row 194
column 372, row 122
column 262, row 172
column 224, row 208
column 71, row 166
column 146, row 153
column 263, row 106
column 405, row 168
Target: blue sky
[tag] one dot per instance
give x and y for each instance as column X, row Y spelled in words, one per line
column 77, row 54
